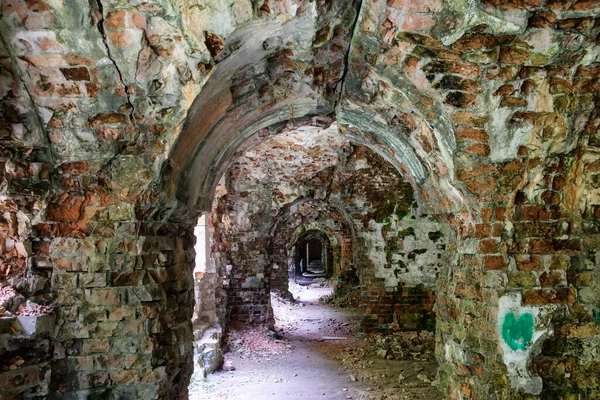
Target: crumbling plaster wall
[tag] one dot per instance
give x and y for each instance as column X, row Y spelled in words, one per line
column 311, row 176
column 92, row 95
column 489, row 107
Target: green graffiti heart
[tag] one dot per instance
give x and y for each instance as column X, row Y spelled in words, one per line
column 517, row 332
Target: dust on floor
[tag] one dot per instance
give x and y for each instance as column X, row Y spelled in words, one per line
column 316, row 351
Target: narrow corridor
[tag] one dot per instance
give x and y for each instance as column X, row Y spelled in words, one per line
column 316, row 352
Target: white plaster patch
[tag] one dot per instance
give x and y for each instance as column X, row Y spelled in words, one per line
column 505, row 141
column 416, row 261
column 521, row 329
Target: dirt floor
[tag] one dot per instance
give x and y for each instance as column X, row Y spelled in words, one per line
column 318, row 352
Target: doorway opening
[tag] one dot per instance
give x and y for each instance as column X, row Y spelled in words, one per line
column 313, row 258
column 309, row 212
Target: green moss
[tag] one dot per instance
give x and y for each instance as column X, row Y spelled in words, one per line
column 416, row 290
column 426, row 323
column 384, row 213
column 407, row 232
column 435, row 236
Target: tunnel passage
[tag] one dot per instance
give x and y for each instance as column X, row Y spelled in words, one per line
column 313, row 256
column 338, row 211
column 118, row 120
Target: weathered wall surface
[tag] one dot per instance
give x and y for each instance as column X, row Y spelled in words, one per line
column 92, row 93
column 407, row 254
column 489, row 109
column 497, row 100
column 311, row 180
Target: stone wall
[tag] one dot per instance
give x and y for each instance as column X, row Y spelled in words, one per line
column 407, row 254
column 489, row 110
column 26, row 354
column 355, row 197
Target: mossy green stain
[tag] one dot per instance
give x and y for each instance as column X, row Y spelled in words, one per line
column 517, row 332
column 435, row 236
column 407, row 232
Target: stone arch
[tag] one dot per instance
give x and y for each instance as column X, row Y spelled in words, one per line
column 302, row 263
column 291, row 223
column 257, row 90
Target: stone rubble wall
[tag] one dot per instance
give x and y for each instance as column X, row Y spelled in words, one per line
column 488, row 108
column 355, row 196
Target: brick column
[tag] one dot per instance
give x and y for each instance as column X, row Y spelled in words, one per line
column 124, row 293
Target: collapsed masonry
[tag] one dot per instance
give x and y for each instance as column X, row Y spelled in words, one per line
column 118, row 121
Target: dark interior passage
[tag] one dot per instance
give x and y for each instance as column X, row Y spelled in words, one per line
column 313, row 257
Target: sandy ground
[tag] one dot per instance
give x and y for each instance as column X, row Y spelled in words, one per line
column 314, row 353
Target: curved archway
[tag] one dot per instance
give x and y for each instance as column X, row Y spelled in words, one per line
column 250, row 96
column 312, row 255
column 305, row 215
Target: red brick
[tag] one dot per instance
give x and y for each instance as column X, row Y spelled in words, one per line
column 513, row 102
column 549, row 296
column 497, row 229
column 513, row 55
column 74, row 59
column 121, row 39
column 13, row 6
column 136, row 20
column 460, row 99
column 483, row 230
column 488, row 246
column 115, row 20
column 47, row 44
column 505, row 90
column 107, row 119
column 495, row 262
column 467, row 118
column 480, row 149
column 76, row 73
column 452, row 67
column 482, row 185
column 578, row 24
column 551, row 279
column 541, row 246
column 91, row 89
column 47, row 60
column 417, row 22
column 66, row 208
column 109, row 134
column 473, row 134
column 535, row 213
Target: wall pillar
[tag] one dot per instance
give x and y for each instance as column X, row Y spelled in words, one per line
column 124, row 305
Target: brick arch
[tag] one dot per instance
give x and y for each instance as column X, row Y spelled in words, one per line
column 292, row 221
column 257, row 90
column 269, row 75
column 327, row 240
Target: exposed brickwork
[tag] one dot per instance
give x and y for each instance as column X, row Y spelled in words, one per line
column 489, row 111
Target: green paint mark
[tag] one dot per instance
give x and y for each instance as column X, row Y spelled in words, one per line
column 597, row 317
column 517, row 332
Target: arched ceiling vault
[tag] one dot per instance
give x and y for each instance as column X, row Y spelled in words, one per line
column 290, row 72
